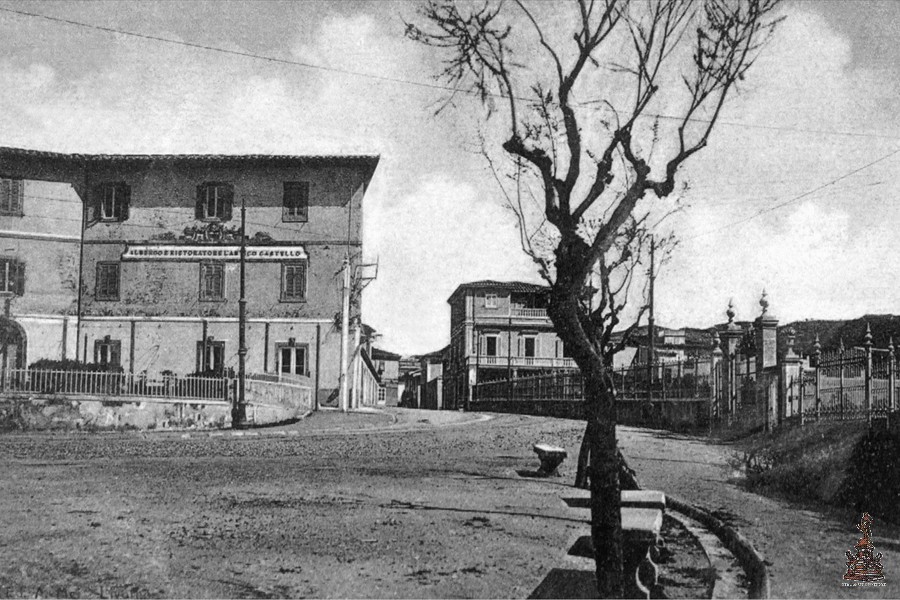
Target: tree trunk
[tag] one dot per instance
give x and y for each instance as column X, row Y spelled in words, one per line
column 565, row 311
column 606, row 516
column 584, row 457
column 627, row 476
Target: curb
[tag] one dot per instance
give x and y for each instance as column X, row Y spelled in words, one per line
column 752, row 561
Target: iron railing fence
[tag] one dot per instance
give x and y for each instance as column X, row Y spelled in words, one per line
column 676, row 380
column 113, row 384
column 846, row 384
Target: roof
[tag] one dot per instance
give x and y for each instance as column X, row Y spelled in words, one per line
column 379, row 354
column 368, row 362
column 436, row 355
column 366, row 159
column 506, row 286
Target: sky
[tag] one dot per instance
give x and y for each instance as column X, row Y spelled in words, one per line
column 795, row 193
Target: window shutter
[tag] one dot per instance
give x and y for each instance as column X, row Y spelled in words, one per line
column 92, row 207
column 303, row 207
column 115, row 352
column 16, row 196
column 302, row 274
column 198, row 207
column 5, row 193
column 126, row 201
column 20, row 278
column 228, row 192
column 97, row 351
column 20, row 199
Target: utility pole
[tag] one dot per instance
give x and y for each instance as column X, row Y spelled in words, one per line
column 345, row 336
column 239, row 412
column 651, row 323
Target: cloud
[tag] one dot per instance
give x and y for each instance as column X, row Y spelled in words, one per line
column 432, row 214
column 442, row 234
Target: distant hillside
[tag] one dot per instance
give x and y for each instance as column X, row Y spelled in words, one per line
column 853, row 332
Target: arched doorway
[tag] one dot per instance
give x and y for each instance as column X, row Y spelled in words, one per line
column 12, row 344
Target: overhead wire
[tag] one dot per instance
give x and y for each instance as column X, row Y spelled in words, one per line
column 402, row 81
column 798, row 197
column 435, row 86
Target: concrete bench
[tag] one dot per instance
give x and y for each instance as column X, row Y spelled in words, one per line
column 640, row 533
column 644, row 499
column 550, row 456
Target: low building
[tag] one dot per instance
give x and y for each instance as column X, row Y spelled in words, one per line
column 499, row 330
column 422, row 380
column 387, row 365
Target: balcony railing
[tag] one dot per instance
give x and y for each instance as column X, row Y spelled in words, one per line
column 540, row 313
column 524, row 361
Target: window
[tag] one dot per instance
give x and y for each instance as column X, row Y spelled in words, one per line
column 12, row 276
column 107, row 351
column 292, row 359
column 490, row 300
column 12, row 195
column 296, row 201
column 113, row 200
column 293, row 281
column 529, row 346
column 212, row 281
column 210, row 356
column 491, row 345
column 107, row 284
column 214, row 201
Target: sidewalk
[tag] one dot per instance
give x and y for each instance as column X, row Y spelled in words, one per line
column 804, row 546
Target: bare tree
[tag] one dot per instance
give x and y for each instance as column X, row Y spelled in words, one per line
column 579, row 132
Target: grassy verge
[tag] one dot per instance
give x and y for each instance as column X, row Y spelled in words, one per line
column 805, row 464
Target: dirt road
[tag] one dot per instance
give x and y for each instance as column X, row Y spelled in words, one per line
column 396, row 504
column 337, row 506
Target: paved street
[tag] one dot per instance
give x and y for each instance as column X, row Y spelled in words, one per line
column 399, row 504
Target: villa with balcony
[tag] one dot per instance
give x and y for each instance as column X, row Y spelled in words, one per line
column 498, row 330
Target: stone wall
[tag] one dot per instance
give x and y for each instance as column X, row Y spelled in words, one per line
column 268, row 403
column 676, row 415
column 55, row 413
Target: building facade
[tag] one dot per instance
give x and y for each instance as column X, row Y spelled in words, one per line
column 498, row 330
column 158, row 279
column 40, row 234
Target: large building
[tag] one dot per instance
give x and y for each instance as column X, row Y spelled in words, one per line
column 498, row 330
column 134, row 259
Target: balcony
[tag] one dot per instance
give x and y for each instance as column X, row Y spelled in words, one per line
column 539, row 362
column 536, row 313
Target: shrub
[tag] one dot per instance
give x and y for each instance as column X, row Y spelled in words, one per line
column 50, row 376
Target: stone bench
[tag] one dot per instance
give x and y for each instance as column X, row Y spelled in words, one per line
column 550, row 456
column 640, row 534
column 629, row 498
column 644, row 499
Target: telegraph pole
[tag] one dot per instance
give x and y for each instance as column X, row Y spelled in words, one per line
column 239, row 412
column 345, row 336
column 651, row 323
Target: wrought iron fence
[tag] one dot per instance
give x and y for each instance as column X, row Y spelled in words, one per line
column 113, row 384
column 845, row 384
column 677, row 380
